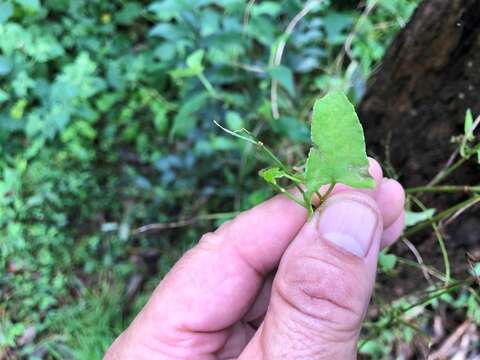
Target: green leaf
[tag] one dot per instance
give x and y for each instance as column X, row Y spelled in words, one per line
column 338, row 153
column 6, row 11
column 269, row 8
column 234, row 120
column 129, row 13
column 468, row 124
column 270, row 175
column 3, row 96
column 185, row 120
column 194, row 66
column 413, row 218
column 386, row 261
column 284, row 76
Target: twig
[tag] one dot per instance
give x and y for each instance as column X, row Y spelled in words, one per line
column 181, row 223
column 269, row 152
column 440, row 216
column 445, row 188
column 448, row 168
column 441, row 242
column 459, row 212
column 277, row 59
column 247, row 67
column 446, row 348
column 419, row 258
column 348, row 42
column 246, row 14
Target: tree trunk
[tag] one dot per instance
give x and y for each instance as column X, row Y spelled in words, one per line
column 416, row 100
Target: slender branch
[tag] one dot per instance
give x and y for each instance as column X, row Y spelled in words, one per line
column 443, row 175
column 269, row 152
column 208, row 86
column 277, row 60
column 182, row 223
column 246, row 14
column 289, row 195
column 441, row 215
column 441, row 242
column 419, row 259
column 444, row 188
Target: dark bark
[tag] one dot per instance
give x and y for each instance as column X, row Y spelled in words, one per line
column 416, row 100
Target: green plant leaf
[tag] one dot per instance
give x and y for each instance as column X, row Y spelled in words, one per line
column 468, row 124
column 194, row 66
column 338, row 153
column 270, row 175
column 284, row 76
column 386, row 261
column 413, row 218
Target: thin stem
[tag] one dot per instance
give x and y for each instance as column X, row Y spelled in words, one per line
column 208, row 86
column 444, row 188
column 441, row 215
column 442, row 176
column 262, row 146
column 183, row 222
column 330, row 189
column 441, row 243
column 277, row 59
column 435, row 294
column 289, row 195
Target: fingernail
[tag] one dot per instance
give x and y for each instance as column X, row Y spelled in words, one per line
column 348, row 224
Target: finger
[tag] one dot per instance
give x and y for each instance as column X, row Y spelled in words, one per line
column 259, row 308
column 393, row 232
column 391, row 201
column 323, row 284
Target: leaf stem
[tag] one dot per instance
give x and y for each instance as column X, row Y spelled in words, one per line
column 444, row 188
column 208, row 86
column 448, row 171
column 441, row 243
column 262, row 146
column 289, row 195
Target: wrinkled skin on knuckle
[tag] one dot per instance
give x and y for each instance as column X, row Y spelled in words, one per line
column 325, row 290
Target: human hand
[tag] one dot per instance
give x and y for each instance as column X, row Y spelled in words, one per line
column 272, row 285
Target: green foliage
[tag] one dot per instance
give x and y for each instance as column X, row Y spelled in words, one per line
column 106, row 124
column 338, row 153
column 413, row 218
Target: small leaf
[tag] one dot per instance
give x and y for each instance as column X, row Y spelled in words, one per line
column 194, row 66
column 338, row 153
column 413, row 218
column 284, row 76
column 270, row 175
column 234, row 120
column 469, row 125
column 269, row 8
column 386, row 261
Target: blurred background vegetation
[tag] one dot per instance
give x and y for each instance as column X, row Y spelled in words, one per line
column 107, row 113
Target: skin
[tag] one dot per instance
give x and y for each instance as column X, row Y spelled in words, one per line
column 270, row 284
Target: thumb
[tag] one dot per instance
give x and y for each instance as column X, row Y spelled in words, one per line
column 323, row 284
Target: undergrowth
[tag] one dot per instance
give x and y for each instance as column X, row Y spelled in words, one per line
column 112, row 166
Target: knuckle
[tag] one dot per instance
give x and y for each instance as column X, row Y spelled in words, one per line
column 210, row 241
column 326, row 290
